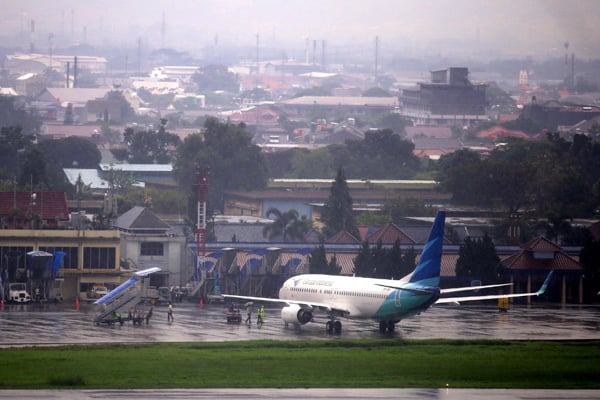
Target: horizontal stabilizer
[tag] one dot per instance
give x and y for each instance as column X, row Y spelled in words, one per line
column 411, row 289
column 467, row 288
column 496, row 296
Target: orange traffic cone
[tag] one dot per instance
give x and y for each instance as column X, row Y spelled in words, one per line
column 2, row 304
column 201, row 304
column 77, row 303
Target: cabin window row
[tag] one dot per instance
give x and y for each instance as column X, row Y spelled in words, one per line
column 340, row 293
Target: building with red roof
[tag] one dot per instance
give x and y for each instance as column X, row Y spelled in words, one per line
column 22, row 210
column 534, row 262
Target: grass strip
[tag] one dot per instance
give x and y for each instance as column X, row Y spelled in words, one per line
column 307, row 364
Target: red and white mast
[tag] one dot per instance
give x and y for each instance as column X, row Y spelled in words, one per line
column 202, row 190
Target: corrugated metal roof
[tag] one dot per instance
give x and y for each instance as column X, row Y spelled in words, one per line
column 138, row 167
column 89, row 177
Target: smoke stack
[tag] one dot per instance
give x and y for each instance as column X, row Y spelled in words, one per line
column 68, row 73
column 75, row 72
column 32, row 39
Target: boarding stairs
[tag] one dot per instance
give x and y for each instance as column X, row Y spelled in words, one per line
column 194, row 285
column 122, row 304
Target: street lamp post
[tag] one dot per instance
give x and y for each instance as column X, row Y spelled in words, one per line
column 31, row 206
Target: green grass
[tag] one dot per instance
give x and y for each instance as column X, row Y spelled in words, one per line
column 308, row 364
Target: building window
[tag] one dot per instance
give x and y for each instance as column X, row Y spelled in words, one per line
column 13, row 257
column 99, row 258
column 70, row 258
column 151, row 249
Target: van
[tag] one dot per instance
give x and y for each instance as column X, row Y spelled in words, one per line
column 97, row 291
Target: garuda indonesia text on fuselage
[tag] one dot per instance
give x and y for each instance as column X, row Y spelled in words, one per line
column 383, row 300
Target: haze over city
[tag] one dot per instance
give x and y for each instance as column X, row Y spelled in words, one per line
column 486, row 29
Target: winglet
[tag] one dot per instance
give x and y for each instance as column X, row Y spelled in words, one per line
column 545, row 284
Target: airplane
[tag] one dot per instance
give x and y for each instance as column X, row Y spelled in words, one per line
column 383, row 300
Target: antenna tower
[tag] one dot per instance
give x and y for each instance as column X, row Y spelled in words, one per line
column 201, row 194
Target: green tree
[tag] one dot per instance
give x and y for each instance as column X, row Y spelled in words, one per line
column 589, row 256
column 149, row 147
column 318, row 264
column 112, row 135
column 384, row 154
column 13, row 113
column 71, row 152
column 396, row 264
column 227, row 151
column 376, row 92
column 312, row 164
column 478, row 260
column 459, row 173
column 216, row 77
column 393, row 121
column 33, row 170
column 337, row 212
column 13, row 145
column 363, row 262
column 287, row 224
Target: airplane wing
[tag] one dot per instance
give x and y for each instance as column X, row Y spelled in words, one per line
column 444, row 300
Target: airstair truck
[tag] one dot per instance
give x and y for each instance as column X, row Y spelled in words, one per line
column 119, row 301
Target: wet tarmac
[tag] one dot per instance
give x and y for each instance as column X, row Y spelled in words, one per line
column 50, row 324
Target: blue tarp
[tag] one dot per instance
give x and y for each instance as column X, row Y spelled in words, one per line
column 58, row 259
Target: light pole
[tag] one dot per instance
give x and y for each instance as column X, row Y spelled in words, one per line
column 31, row 205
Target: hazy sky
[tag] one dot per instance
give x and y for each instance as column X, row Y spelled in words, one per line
column 507, row 27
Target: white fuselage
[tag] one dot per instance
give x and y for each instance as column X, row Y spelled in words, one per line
column 362, row 297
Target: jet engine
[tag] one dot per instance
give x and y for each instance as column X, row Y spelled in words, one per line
column 294, row 314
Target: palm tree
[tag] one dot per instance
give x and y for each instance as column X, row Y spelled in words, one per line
column 286, row 224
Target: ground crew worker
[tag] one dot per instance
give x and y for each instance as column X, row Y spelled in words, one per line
column 148, row 316
column 249, row 314
column 170, row 313
column 261, row 315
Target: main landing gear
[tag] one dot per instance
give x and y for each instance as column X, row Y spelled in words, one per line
column 333, row 326
column 387, row 326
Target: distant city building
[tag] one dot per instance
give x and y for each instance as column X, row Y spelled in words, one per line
column 38, row 63
column 342, row 106
column 449, row 98
column 552, row 114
